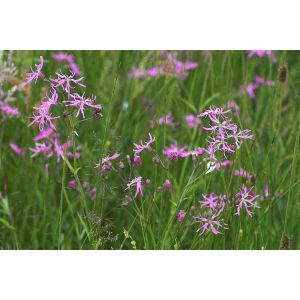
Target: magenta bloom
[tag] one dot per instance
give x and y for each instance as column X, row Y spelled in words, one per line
column 210, row 201
column 93, row 193
column 106, row 162
column 234, row 107
column 43, row 134
column 80, row 102
column 174, row 152
column 260, row 53
column 167, row 185
column 137, row 182
column 167, row 119
column 180, row 216
column 191, row 120
column 42, row 148
column 69, row 58
column 138, row 148
column 72, row 184
column 66, row 82
column 35, row 75
column 17, row 149
column 43, row 118
column 251, row 88
column 9, row 110
column 245, row 198
column 209, row 224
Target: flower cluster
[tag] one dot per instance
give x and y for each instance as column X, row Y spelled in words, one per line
column 69, row 58
column 262, row 53
column 225, row 137
column 105, row 163
column 138, row 148
column 253, row 86
column 66, row 83
column 168, row 65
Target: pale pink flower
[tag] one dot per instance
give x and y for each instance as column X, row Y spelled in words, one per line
column 43, row 134
column 17, row 149
column 180, row 216
column 137, row 182
column 106, row 163
column 260, row 53
column 93, row 193
column 138, row 148
column 35, row 75
column 167, row 185
column 72, row 184
column 79, row 101
column 174, row 152
column 66, row 82
column 42, row 148
column 191, row 120
column 9, row 110
column 69, row 58
column 209, row 224
column 167, row 119
column 245, row 198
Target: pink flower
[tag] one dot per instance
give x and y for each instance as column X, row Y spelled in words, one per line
column 46, row 168
column 191, row 120
column 66, row 81
column 43, row 134
column 60, row 57
column 106, row 162
column 266, row 191
column 9, row 110
column 209, row 224
column 17, row 149
column 72, row 184
column 174, row 152
column 210, row 201
column 245, row 198
column 137, row 160
column 167, row 185
column 35, row 75
column 137, row 181
column 180, row 216
column 243, row 173
column 260, row 53
column 80, row 102
column 43, row 118
column 167, row 119
column 42, row 148
column 234, row 107
column 93, row 193
column 138, row 148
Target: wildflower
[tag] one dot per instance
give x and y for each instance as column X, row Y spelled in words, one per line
column 80, row 102
column 137, row 181
column 191, row 120
column 43, row 118
column 17, row 149
column 246, row 198
column 138, row 148
column 167, row 119
column 43, row 134
column 93, row 193
column 209, row 224
column 194, row 153
column 148, row 181
column 106, row 163
column 35, row 75
column 72, row 184
column 65, row 82
column 46, row 168
column 167, row 185
column 260, row 53
column 253, row 86
column 266, row 191
column 60, row 57
column 210, row 201
column 137, row 160
column 234, row 107
column 243, row 173
column 180, row 216
column 9, row 110
column 174, row 152
column 42, row 148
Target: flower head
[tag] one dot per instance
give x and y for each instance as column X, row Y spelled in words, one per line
column 35, row 75
column 137, row 182
column 245, row 198
column 174, row 152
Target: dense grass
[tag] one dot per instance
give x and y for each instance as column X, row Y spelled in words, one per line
column 39, row 211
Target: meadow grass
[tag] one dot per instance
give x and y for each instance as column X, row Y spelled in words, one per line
column 39, row 211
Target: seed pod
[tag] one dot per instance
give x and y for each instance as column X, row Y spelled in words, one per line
column 283, row 73
column 286, row 243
